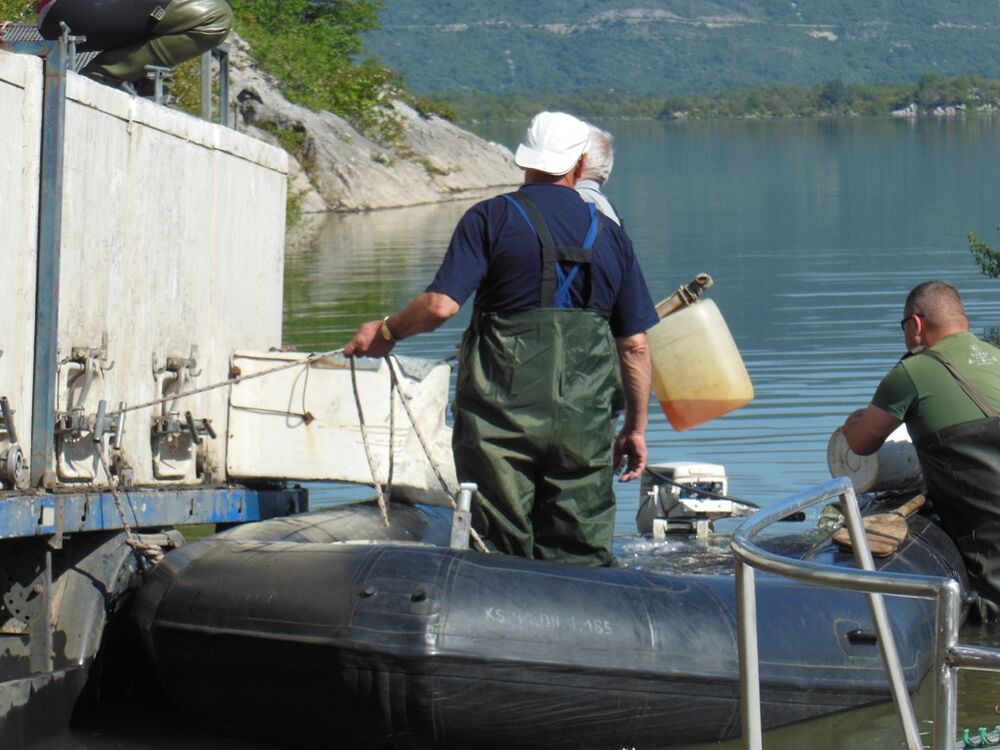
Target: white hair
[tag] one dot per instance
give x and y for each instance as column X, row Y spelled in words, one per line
column 600, row 155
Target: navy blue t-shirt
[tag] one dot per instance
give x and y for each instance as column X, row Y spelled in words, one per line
column 495, row 253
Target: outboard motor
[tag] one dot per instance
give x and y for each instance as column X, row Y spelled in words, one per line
column 684, row 496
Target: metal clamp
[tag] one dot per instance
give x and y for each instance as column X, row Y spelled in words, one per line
column 182, row 370
column 92, row 357
column 92, row 361
column 103, row 427
column 74, row 424
column 171, row 426
column 121, row 469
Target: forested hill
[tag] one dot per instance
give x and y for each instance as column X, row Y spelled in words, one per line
column 680, row 47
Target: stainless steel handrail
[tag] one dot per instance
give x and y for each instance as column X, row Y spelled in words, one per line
column 950, row 656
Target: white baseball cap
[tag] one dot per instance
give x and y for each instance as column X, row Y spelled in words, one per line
column 553, row 143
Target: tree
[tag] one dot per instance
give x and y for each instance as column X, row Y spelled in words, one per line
column 15, row 10
column 986, row 258
column 312, row 47
column 834, row 94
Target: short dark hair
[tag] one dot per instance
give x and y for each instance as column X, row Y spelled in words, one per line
column 939, row 303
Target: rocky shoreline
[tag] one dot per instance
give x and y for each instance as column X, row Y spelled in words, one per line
column 339, row 169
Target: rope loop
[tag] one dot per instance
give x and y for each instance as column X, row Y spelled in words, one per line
column 148, row 551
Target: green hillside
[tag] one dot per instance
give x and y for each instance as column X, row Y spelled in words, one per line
column 662, row 48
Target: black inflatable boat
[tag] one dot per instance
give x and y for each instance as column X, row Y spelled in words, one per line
column 279, row 631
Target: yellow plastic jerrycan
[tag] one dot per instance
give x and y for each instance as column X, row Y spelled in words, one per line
column 698, row 373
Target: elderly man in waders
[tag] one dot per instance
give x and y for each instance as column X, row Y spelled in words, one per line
column 947, row 390
column 558, row 291
column 132, row 34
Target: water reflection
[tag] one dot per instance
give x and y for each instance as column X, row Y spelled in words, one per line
column 361, row 266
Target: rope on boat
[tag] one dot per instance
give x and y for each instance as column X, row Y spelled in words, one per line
column 379, row 496
column 404, row 400
column 392, row 443
column 311, row 359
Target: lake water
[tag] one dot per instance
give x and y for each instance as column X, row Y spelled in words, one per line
column 813, row 231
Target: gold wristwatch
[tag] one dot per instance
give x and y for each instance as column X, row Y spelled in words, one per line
column 386, row 333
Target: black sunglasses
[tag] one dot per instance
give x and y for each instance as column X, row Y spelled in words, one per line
column 907, row 319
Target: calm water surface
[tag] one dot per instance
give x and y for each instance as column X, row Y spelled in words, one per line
column 813, row 231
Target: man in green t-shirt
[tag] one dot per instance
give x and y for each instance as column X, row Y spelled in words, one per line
column 947, row 390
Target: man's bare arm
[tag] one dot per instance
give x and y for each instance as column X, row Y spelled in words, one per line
column 424, row 313
column 867, row 429
column 637, row 379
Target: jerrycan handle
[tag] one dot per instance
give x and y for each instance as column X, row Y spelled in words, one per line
column 685, row 295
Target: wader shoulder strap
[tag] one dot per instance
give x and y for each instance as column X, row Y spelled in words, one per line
column 984, row 406
column 556, row 283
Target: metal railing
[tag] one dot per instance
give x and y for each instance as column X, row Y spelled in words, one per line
column 220, row 56
column 949, row 657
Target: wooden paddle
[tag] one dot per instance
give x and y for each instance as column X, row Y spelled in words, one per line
column 885, row 531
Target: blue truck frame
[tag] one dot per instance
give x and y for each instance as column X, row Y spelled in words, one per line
column 68, row 561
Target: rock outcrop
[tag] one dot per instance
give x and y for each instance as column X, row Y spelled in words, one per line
column 434, row 160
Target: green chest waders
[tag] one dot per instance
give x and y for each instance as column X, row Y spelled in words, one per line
column 137, row 33
column 961, row 467
column 533, row 417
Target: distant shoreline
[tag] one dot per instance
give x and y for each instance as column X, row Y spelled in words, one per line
column 931, row 96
